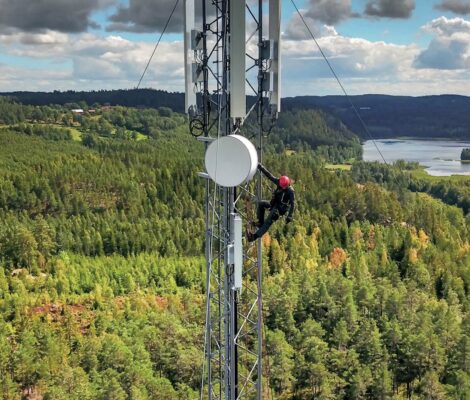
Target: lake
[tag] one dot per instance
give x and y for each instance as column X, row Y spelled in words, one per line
column 441, row 157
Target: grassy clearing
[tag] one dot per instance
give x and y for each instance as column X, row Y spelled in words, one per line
column 421, row 173
column 339, row 167
column 76, row 134
column 141, row 136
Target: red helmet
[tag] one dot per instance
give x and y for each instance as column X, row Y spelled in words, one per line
column 284, row 181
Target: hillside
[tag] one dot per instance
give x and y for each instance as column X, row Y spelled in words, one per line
column 443, row 116
column 102, row 275
column 426, row 117
column 125, row 97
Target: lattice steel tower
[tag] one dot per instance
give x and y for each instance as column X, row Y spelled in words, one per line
column 227, row 53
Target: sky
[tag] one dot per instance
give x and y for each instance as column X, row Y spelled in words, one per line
column 397, row 47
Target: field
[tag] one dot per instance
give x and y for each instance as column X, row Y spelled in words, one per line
column 339, row 167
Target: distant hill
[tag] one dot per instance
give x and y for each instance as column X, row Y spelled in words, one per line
column 130, row 98
column 392, row 116
column 385, row 116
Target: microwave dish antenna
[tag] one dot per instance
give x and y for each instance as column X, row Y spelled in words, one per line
column 231, row 160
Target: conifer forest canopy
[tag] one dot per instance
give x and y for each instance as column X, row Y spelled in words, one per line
column 366, row 292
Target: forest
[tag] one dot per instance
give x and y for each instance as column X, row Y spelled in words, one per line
column 366, row 292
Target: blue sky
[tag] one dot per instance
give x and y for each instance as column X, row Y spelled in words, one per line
column 414, row 47
column 400, row 31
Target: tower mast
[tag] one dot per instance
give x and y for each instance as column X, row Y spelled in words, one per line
column 222, row 61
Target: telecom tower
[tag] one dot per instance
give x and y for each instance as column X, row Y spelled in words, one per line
column 227, row 53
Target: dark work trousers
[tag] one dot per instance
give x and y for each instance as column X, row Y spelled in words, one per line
column 264, row 224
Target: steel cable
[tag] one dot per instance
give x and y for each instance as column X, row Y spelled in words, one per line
column 356, row 112
column 158, row 43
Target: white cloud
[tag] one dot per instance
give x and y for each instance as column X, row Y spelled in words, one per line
column 45, row 37
column 152, row 15
column 296, row 29
column 375, row 66
column 87, row 61
column 21, row 78
column 329, row 11
column 147, row 16
column 95, row 61
column 390, row 8
column 351, row 57
column 450, row 47
column 455, row 6
column 363, row 67
column 63, row 15
column 447, row 26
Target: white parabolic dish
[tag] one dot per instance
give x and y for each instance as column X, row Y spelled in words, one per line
column 231, row 160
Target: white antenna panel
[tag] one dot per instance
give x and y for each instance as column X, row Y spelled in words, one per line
column 237, row 228
column 275, row 38
column 231, row 160
column 189, row 23
column 237, row 59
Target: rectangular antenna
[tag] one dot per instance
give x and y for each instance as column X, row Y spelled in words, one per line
column 237, row 59
column 237, row 251
column 275, row 38
column 189, row 23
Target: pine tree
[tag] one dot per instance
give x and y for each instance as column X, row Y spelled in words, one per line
column 281, row 364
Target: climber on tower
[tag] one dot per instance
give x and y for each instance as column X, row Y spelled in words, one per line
column 282, row 202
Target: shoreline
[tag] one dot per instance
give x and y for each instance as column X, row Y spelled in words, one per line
column 436, row 157
column 417, row 139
